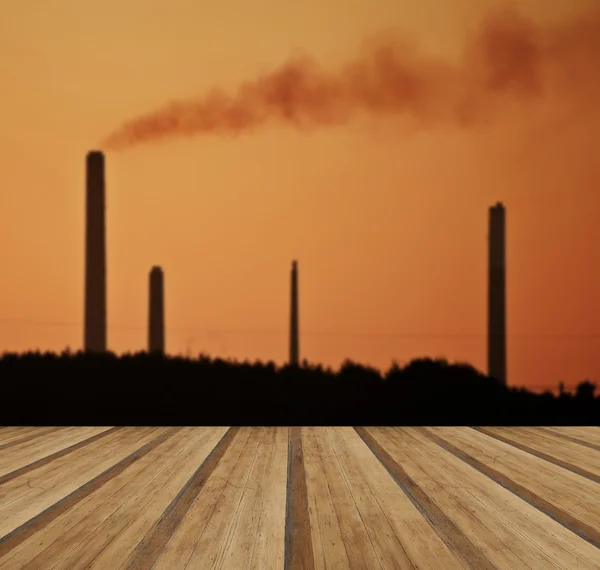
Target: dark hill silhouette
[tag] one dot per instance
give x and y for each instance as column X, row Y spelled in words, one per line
column 147, row 389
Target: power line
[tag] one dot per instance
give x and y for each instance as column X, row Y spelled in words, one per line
column 212, row 331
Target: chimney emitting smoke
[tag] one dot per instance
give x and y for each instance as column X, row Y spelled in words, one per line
column 95, row 255
column 156, row 316
column 497, row 294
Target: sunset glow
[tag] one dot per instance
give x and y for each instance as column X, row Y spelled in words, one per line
column 414, row 117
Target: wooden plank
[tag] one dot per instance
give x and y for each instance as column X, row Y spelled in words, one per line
column 558, row 432
column 257, row 539
column 298, row 545
column 322, row 523
column 562, row 453
column 123, row 546
column 54, row 456
column 134, row 501
column 422, row 541
column 567, row 497
column 9, row 437
column 269, row 545
column 27, row 452
column 25, row 488
column 590, row 434
column 180, row 543
column 310, row 461
column 369, row 537
column 548, row 437
column 454, row 493
column 68, row 476
column 148, row 552
column 96, row 508
column 38, row 447
column 74, row 529
column 9, row 432
column 536, row 535
column 212, row 542
column 434, row 502
column 503, row 526
column 57, row 507
column 360, row 550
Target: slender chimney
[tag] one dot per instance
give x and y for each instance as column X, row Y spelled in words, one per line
column 156, row 315
column 95, row 256
column 497, row 294
column 294, row 350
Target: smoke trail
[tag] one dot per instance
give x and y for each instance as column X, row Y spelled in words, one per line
column 509, row 60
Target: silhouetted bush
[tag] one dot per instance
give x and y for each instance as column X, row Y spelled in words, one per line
column 142, row 389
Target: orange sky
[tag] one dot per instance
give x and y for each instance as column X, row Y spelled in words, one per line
column 389, row 229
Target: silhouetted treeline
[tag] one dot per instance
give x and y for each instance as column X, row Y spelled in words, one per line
column 142, row 389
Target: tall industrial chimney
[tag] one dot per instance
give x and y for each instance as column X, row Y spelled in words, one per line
column 497, row 294
column 95, row 256
column 156, row 315
column 294, row 350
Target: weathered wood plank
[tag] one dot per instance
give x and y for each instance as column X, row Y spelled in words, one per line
column 250, row 513
column 299, row 553
column 563, row 453
column 558, row 432
column 10, row 437
column 323, row 524
column 184, row 460
column 122, row 547
column 29, row 451
column 176, row 543
column 73, row 532
column 27, row 469
column 403, row 505
column 567, row 497
column 546, row 542
column 148, row 552
column 213, row 542
column 269, row 545
column 590, row 434
column 61, row 504
column 299, row 498
column 23, row 487
column 369, row 537
column 68, row 474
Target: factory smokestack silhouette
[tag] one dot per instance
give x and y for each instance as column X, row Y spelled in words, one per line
column 95, row 256
column 294, row 342
column 497, row 294
column 156, row 314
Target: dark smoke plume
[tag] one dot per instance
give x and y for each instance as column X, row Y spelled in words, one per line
column 509, row 60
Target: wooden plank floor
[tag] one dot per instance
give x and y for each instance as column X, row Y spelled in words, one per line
column 332, row 498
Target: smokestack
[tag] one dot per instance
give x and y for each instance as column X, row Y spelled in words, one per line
column 294, row 350
column 156, row 315
column 95, row 256
column 497, row 294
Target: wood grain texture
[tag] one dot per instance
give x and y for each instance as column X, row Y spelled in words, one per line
column 18, row 524
column 16, row 437
column 152, row 544
column 589, row 434
column 452, row 535
column 556, row 450
column 582, row 440
column 299, row 552
column 277, row 498
column 527, row 522
column 28, row 452
column 572, row 498
column 54, row 456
